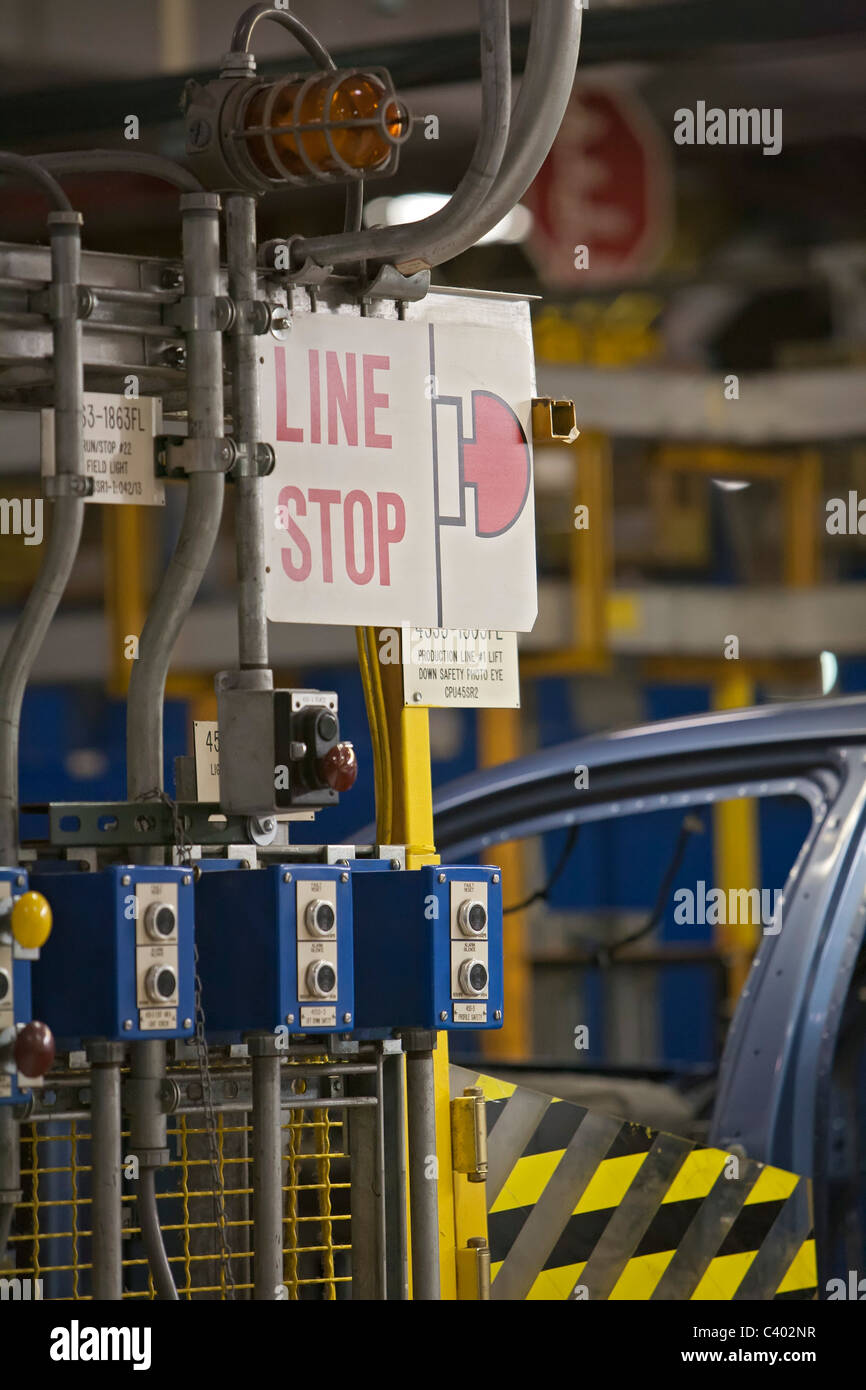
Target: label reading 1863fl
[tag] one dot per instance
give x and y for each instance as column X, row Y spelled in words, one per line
column 118, row 448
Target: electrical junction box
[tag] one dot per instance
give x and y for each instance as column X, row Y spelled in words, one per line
column 428, row 947
column 119, row 963
column 275, row 950
column 16, row 964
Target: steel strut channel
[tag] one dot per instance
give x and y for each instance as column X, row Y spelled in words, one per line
column 779, row 1090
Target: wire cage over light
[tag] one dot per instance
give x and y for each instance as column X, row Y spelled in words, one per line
column 331, row 127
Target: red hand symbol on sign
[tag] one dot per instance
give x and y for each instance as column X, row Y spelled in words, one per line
column 496, row 464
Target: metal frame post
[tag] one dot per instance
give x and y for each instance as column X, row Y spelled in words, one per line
column 267, row 1166
column 106, row 1210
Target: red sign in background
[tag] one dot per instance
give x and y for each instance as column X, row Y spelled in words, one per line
column 606, row 185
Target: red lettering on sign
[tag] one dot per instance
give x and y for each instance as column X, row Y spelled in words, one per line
column 302, row 570
column 389, row 534
column 315, row 400
column 365, row 574
column 342, row 396
column 326, row 497
column 374, row 400
column 293, row 436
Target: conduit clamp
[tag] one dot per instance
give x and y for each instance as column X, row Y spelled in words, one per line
column 66, row 485
column 184, row 457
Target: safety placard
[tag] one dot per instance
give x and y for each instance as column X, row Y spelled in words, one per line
column 463, row 668
column 118, row 448
column 402, row 490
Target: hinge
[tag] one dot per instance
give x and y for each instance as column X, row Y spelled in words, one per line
column 469, row 1134
column 473, row 1271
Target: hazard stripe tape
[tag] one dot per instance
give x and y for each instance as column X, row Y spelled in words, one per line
column 584, row 1205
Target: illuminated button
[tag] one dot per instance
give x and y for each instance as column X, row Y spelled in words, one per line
column 160, row 920
column 320, row 917
column 321, row 979
column 5, row 986
column 472, row 977
column 34, row 1049
column 31, row 921
column 472, row 917
column 338, row 768
column 160, row 983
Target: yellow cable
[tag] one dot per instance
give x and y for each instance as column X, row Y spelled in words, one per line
column 374, row 702
column 384, row 830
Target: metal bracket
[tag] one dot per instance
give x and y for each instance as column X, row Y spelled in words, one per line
column 186, row 456
column 390, row 283
column 127, row 823
column 66, row 485
column 553, row 421
column 260, row 465
column 200, row 312
column 308, row 273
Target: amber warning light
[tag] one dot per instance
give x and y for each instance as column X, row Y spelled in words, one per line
column 328, row 127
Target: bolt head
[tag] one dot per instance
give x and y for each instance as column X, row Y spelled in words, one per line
column 417, row 697
column 127, row 1025
column 395, row 863
column 347, row 1018
column 498, row 1015
column 495, row 878
column 441, row 878
column 187, row 1023
column 126, row 880
column 245, row 863
column 187, row 880
column 290, row 1018
column 20, row 881
column 444, row 1016
column 344, row 878
column 287, row 878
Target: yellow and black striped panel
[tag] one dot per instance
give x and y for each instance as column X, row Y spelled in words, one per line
column 583, row 1205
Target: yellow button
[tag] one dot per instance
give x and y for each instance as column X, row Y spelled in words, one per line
column 31, row 921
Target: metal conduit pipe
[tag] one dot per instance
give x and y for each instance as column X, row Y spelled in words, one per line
column 439, row 237
column 544, row 92
column 148, row 1141
column 246, row 426
column 68, row 513
column 267, row 1167
column 204, row 503
column 243, row 33
column 551, row 61
column 10, row 1174
column 174, row 598
column 119, row 162
column 423, row 1182
column 105, row 1060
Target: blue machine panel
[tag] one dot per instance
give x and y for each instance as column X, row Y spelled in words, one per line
column 428, row 947
column 15, row 997
column 275, row 949
column 120, row 962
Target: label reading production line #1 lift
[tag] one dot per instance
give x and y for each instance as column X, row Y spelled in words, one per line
column 118, row 448
column 462, row 668
column 402, row 491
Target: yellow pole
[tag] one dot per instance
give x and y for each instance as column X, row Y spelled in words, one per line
column 499, row 742
column 124, row 535
column 735, row 844
column 412, row 826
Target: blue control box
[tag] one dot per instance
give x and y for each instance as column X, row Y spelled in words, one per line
column 16, row 1006
column 120, row 961
column 428, row 947
column 275, row 950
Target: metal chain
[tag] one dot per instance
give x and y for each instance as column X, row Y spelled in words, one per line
column 200, row 1042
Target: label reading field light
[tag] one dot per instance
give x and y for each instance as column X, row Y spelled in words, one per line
column 460, row 668
column 402, row 490
column 118, row 448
